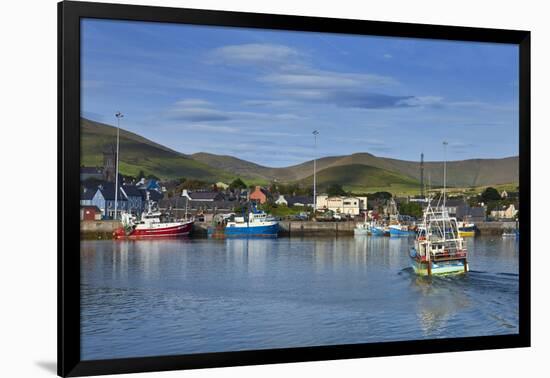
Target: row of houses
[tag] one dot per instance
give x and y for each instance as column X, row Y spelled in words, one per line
column 98, row 202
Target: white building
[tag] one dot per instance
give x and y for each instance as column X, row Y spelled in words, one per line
column 341, row 204
column 281, row 200
column 508, row 213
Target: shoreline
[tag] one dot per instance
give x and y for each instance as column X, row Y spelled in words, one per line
column 103, row 230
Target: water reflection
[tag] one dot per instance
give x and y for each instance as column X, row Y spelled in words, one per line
column 153, row 297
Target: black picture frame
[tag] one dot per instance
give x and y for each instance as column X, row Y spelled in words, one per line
column 69, row 15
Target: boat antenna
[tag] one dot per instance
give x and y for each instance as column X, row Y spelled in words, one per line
column 118, row 116
column 315, row 133
column 422, row 195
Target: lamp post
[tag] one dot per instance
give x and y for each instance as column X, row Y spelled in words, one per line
column 315, row 133
column 118, row 116
column 445, row 143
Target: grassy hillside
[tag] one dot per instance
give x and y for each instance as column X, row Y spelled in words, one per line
column 464, row 173
column 363, row 178
column 138, row 153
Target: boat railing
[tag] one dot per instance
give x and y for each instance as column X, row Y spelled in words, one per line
column 448, row 252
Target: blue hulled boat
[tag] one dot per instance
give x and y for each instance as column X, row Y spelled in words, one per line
column 399, row 230
column 257, row 223
column 379, row 231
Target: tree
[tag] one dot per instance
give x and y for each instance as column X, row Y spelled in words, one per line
column 414, row 209
column 336, row 190
column 380, row 195
column 192, row 185
column 152, row 177
column 490, row 194
column 237, row 184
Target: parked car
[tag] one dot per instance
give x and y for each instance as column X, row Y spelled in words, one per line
column 300, row 217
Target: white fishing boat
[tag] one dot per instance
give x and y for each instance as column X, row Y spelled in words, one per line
column 364, row 228
column 439, row 248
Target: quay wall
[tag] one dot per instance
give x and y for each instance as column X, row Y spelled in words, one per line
column 303, row 228
column 494, row 228
column 98, row 229
column 104, row 229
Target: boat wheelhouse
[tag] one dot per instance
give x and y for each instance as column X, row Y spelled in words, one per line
column 364, row 228
column 256, row 223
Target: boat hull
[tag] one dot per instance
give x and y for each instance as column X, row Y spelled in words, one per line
column 361, row 231
column 401, row 233
column 467, row 231
column 434, row 268
column 271, row 230
column 378, row 231
column 173, row 230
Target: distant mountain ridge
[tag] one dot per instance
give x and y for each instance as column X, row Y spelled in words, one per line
column 358, row 171
column 462, row 173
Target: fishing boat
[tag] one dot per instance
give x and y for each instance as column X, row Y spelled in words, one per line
column 152, row 224
column 363, row 228
column 438, row 248
column 380, row 230
column 466, row 229
column 400, row 230
column 256, row 223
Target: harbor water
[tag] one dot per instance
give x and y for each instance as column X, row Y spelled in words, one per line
column 164, row 297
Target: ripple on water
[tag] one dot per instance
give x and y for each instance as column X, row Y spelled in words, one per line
column 178, row 297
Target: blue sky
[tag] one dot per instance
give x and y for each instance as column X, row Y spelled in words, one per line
column 259, row 94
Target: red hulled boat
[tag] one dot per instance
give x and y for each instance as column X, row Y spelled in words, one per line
column 153, row 224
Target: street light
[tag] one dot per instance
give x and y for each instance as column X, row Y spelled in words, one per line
column 445, row 143
column 315, row 133
column 118, row 116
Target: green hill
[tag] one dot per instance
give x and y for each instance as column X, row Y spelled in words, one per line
column 460, row 173
column 363, row 178
column 138, row 153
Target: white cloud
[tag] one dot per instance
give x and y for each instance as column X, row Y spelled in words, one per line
column 209, row 128
column 193, row 102
column 254, row 53
column 422, row 101
column 199, row 110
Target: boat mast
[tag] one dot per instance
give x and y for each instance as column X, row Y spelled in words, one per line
column 186, row 201
column 118, row 116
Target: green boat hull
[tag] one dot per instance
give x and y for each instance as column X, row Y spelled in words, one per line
column 439, row 268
